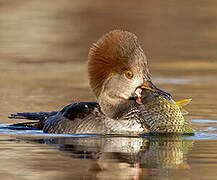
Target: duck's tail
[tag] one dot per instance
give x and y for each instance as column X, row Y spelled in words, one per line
column 32, row 115
column 38, row 118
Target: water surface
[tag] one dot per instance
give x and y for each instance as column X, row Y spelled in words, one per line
column 43, row 53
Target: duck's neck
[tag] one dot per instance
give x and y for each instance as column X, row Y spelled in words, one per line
column 114, row 107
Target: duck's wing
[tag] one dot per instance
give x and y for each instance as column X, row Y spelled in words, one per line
column 78, row 110
column 74, row 118
column 70, row 112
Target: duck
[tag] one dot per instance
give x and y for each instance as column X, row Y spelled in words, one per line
column 118, row 73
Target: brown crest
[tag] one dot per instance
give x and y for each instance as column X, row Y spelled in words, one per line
column 112, row 53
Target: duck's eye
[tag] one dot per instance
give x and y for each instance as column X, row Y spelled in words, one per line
column 129, row 74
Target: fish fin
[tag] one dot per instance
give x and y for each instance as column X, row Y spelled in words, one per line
column 183, row 111
column 182, row 103
column 187, row 128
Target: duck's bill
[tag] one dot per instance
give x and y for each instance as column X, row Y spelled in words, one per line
column 151, row 87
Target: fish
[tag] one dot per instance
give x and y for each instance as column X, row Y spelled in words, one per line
column 161, row 114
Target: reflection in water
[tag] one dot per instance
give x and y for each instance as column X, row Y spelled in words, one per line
column 43, row 50
column 126, row 157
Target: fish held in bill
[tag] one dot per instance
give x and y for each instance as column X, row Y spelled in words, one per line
column 161, row 114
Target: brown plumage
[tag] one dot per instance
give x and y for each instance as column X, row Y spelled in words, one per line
column 113, row 53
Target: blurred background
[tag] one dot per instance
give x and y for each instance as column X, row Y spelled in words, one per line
column 44, row 47
column 43, row 67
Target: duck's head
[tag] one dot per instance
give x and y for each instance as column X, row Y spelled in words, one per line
column 118, row 70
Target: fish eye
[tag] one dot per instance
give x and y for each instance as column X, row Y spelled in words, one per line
column 129, row 74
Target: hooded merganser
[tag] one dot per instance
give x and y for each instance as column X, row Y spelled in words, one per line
column 118, row 72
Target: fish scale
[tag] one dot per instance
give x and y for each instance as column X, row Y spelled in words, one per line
column 162, row 114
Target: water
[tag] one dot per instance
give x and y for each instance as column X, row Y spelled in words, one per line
column 43, row 52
